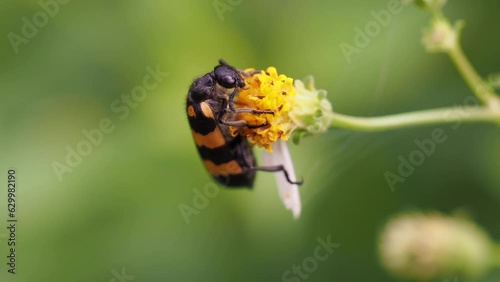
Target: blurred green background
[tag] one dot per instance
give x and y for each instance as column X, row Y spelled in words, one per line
column 120, row 207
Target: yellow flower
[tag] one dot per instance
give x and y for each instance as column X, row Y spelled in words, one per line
column 266, row 90
column 295, row 106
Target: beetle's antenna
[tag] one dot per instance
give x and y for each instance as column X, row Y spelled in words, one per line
column 223, row 62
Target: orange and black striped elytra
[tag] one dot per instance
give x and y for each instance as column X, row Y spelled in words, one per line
column 210, row 109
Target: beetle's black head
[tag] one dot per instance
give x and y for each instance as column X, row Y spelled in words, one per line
column 215, row 84
column 227, row 76
column 203, row 88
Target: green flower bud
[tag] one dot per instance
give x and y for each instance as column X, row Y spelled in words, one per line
column 429, row 246
column 441, row 36
column 312, row 112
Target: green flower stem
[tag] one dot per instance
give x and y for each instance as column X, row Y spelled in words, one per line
column 419, row 118
column 480, row 88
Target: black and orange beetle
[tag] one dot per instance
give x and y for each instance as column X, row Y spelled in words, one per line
column 210, row 109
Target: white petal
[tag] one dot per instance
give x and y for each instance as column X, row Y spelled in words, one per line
column 289, row 193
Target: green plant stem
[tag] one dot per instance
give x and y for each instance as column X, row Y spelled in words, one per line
column 480, row 88
column 419, row 118
column 496, row 256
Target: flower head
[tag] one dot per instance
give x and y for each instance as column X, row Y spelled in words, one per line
column 297, row 107
column 266, row 90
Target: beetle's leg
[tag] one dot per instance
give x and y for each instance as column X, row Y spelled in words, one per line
column 253, row 111
column 242, row 110
column 239, row 123
column 231, row 97
column 276, row 169
column 240, row 84
column 247, row 74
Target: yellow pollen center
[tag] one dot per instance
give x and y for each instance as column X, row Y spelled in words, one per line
column 266, row 90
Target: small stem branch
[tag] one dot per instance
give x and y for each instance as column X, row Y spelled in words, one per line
column 419, row 118
column 482, row 90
